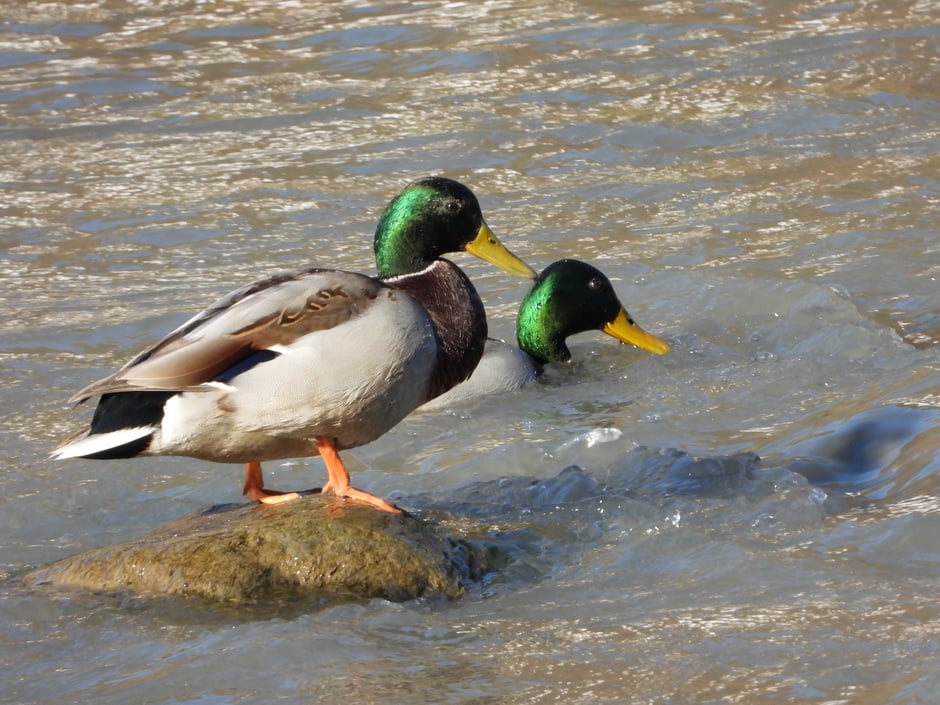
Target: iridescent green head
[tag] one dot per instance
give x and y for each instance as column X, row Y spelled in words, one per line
column 428, row 219
column 571, row 297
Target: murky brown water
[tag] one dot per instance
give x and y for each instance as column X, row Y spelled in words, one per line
column 759, row 179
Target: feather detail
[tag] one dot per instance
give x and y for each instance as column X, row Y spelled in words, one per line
column 100, row 445
column 269, row 315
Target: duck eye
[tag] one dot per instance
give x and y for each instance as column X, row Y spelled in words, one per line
column 452, row 206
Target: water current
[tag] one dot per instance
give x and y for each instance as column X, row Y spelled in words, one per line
column 752, row 518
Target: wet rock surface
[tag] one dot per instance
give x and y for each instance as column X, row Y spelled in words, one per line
column 242, row 553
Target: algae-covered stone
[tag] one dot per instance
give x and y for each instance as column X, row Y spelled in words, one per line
column 312, row 546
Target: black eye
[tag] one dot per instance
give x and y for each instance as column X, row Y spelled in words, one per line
column 452, row 206
column 595, row 284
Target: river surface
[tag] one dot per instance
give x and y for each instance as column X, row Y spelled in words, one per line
column 750, row 519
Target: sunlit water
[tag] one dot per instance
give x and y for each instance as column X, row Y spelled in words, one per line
column 759, row 180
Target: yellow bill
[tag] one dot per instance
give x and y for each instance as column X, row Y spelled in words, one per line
column 487, row 246
column 625, row 330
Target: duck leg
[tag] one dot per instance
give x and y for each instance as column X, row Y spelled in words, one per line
column 254, row 487
column 338, row 483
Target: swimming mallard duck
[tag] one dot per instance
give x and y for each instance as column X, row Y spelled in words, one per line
column 568, row 297
column 314, row 361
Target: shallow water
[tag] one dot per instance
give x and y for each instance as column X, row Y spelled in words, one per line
column 758, row 179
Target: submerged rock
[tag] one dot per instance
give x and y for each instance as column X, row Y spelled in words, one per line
column 313, row 546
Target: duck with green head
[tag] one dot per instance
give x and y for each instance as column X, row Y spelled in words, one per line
column 569, row 297
column 314, row 361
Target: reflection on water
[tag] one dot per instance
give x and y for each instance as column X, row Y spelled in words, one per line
column 759, row 182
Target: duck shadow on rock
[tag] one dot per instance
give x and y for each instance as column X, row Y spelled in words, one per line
column 508, row 532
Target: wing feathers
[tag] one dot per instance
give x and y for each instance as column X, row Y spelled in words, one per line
column 274, row 312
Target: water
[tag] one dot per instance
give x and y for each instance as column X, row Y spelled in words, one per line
column 758, row 179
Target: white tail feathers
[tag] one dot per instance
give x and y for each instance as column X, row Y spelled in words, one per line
column 99, row 442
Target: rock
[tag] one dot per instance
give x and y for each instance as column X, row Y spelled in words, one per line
column 314, row 546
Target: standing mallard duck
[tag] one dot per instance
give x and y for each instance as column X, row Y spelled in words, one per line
column 314, row 361
column 568, row 297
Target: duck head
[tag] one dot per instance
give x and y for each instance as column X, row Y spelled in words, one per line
column 571, row 297
column 430, row 218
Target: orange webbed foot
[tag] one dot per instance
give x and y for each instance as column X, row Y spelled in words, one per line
column 362, row 497
column 275, row 497
column 338, row 483
column 254, row 487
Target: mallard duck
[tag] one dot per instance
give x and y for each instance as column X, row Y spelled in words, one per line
column 568, row 297
column 314, row 361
